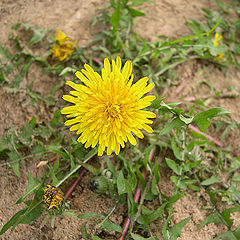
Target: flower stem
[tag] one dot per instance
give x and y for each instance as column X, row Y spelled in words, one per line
column 81, row 173
column 136, row 195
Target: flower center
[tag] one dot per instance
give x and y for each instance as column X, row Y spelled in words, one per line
column 113, row 110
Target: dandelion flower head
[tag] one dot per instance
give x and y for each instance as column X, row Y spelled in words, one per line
column 217, row 38
column 216, row 41
column 108, row 109
column 63, row 48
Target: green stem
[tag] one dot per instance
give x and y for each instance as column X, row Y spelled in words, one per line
column 92, row 153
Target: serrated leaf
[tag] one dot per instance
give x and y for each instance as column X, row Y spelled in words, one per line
column 110, row 226
column 33, row 210
column 33, row 185
column 226, row 215
column 174, row 166
column 15, row 158
column 147, row 219
column 213, row 179
column 26, row 215
column 121, row 186
column 212, row 218
column 12, row 221
column 201, row 119
column 176, row 230
column 175, row 123
column 173, row 199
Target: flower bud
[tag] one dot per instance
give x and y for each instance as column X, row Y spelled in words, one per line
column 99, row 184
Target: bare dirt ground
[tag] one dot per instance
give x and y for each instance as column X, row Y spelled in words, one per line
column 73, row 17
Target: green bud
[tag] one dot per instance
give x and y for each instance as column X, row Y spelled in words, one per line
column 99, row 184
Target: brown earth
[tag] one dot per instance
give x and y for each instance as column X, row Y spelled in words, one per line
column 73, row 17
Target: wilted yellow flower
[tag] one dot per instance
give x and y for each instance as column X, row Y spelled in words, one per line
column 217, row 38
column 108, row 109
column 63, row 48
column 53, row 197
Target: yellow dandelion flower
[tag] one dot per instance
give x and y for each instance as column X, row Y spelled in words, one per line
column 216, row 41
column 63, row 48
column 108, row 109
column 217, row 38
column 62, row 38
column 219, row 57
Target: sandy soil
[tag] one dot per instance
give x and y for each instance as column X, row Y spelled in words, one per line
column 73, row 17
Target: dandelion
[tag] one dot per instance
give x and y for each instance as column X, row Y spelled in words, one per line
column 63, row 48
column 220, row 57
column 108, row 109
column 216, row 40
column 53, row 197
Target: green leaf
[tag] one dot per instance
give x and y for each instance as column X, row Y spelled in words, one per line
column 185, row 119
column 3, row 145
column 121, row 184
column 33, row 210
column 174, row 166
column 213, row 179
column 85, row 235
column 33, row 185
column 30, row 213
column 226, row 215
column 201, row 119
column 94, row 237
column 12, row 220
column 67, row 70
column 137, row 237
column 212, row 218
column 175, row 123
column 15, row 160
column 176, row 150
column 115, row 19
column 110, row 226
column 214, row 51
column 155, row 214
column 135, row 13
column 176, row 230
column 227, row 236
column 111, row 167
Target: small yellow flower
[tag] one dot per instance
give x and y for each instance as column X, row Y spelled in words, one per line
column 53, row 197
column 63, row 48
column 108, row 109
column 217, row 38
column 220, row 57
